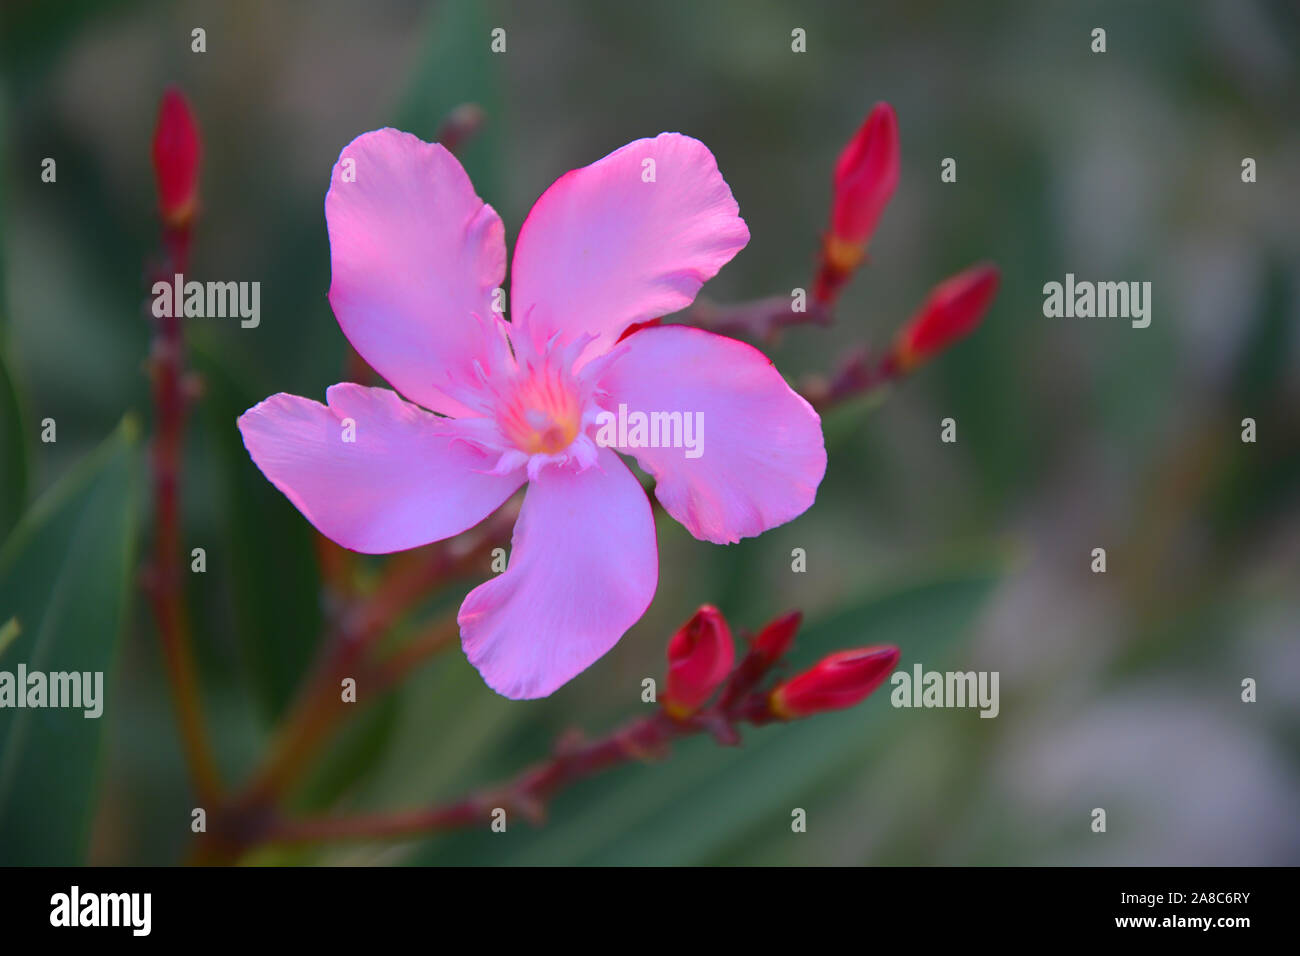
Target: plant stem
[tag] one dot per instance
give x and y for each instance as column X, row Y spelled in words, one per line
column 856, row 376
column 760, row 319
column 529, row 793
column 318, row 708
column 164, row 580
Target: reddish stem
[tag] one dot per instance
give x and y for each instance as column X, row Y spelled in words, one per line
column 318, row 708
column 856, row 376
column 164, row 578
column 529, row 793
column 760, row 319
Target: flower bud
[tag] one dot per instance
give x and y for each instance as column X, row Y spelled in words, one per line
column 866, row 176
column 776, row 637
column 838, row 681
column 700, row 656
column 461, row 124
column 176, row 154
column 953, row 309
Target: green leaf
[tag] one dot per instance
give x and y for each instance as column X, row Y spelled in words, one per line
column 1262, row 364
column 4, row 178
column 13, row 451
column 32, row 34
column 357, row 750
column 13, row 447
column 275, row 577
column 705, row 800
column 455, row 66
column 9, row 632
column 65, row 573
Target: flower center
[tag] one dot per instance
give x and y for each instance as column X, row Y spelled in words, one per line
column 542, row 413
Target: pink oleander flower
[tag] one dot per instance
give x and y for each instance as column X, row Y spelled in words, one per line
column 487, row 405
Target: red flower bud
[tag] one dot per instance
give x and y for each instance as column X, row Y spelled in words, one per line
column 700, row 656
column 866, row 176
column 838, row 681
column 953, row 309
column 775, row 639
column 176, row 154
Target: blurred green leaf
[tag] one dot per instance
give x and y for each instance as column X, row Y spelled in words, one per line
column 844, row 422
column 1264, row 359
column 705, row 799
column 424, row 761
column 13, row 451
column 4, row 175
column 356, row 751
column 32, row 32
column 65, row 572
column 455, row 66
column 9, row 632
column 276, row 579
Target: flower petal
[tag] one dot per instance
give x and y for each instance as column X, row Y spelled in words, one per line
column 761, row 455
column 408, row 478
column 604, row 248
column 414, row 254
column 583, row 568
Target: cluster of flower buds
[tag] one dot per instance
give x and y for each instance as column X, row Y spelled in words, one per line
column 701, row 656
column 866, row 176
column 177, row 151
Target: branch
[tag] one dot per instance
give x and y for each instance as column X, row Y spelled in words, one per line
column 760, row 319
column 529, row 794
column 162, row 579
column 764, row 319
column 409, row 577
column 857, row 375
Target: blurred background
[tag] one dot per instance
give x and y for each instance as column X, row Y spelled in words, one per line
column 1119, row 690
